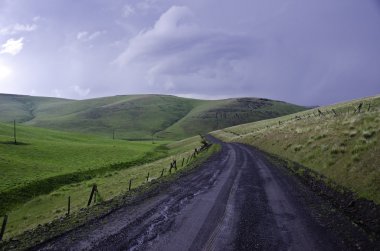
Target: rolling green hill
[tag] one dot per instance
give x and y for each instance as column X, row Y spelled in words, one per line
column 139, row 116
column 22, row 108
column 43, row 153
column 339, row 141
column 46, row 166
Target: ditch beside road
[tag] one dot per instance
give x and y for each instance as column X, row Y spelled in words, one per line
column 237, row 200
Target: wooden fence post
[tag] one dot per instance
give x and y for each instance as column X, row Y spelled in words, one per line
column 147, row 177
column 359, row 107
column 175, row 164
column 94, row 189
column 130, row 185
column 68, row 205
column 171, row 166
column 162, row 172
column 3, row 227
column 369, row 107
column 183, row 161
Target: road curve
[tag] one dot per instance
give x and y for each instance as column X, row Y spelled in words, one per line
column 237, row 200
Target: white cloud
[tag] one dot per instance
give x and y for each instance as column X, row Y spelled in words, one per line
column 12, row 46
column 166, row 29
column 17, row 28
column 177, row 50
column 85, row 36
column 82, row 35
column 82, row 92
column 95, row 35
column 128, row 11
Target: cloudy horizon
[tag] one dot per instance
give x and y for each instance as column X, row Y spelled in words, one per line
column 304, row 52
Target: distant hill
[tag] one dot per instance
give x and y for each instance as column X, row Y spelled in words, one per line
column 139, row 117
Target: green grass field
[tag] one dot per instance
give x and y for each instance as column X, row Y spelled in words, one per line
column 44, row 160
column 139, row 116
column 43, row 153
column 47, row 166
column 47, row 207
column 344, row 147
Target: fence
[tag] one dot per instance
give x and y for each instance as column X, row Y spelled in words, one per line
column 94, row 194
column 319, row 113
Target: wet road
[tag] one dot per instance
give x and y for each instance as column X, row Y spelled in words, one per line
column 237, row 200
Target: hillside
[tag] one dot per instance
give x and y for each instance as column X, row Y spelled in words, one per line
column 22, row 108
column 47, row 166
column 139, row 116
column 43, row 153
column 339, row 141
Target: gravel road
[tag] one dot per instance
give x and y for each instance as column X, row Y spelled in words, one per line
column 237, row 200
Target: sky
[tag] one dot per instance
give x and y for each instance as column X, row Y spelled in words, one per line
column 309, row 52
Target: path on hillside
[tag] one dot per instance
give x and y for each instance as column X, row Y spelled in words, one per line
column 237, row 200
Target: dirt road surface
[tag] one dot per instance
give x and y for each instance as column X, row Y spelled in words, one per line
column 237, row 200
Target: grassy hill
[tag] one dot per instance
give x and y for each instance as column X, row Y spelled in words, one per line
column 42, row 153
column 47, row 166
column 44, row 159
column 139, row 116
column 22, row 108
column 338, row 141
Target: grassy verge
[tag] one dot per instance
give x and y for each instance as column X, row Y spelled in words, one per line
column 113, row 190
column 336, row 141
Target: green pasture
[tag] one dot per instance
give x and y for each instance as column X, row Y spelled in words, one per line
column 47, row 207
column 42, row 153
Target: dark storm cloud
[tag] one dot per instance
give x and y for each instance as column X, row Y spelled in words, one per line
column 177, row 48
